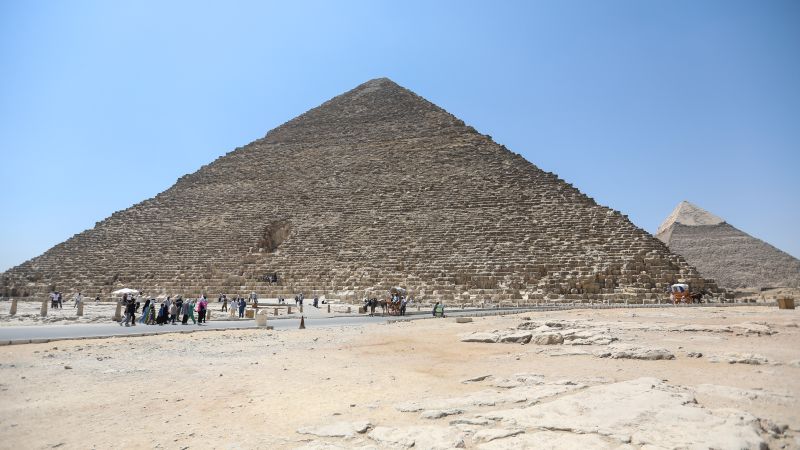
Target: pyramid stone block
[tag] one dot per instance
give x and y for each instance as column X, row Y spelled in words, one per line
column 372, row 189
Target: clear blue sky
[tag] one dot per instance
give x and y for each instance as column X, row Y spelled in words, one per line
column 640, row 104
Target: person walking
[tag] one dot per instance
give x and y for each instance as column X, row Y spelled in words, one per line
column 162, row 314
column 151, row 316
column 403, row 306
column 185, row 313
column 224, row 304
column 78, row 299
column 202, row 305
column 234, row 308
column 130, row 308
column 242, row 306
column 192, row 306
column 173, row 313
column 132, row 311
column 124, row 307
column 145, row 312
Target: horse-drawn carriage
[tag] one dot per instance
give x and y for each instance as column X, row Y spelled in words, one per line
column 396, row 300
column 394, row 305
column 680, row 293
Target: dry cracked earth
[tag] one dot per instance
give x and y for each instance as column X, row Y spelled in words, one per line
column 667, row 378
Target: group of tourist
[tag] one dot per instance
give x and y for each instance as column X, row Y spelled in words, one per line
column 174, row 310
column 236, row 303
column 56, row 300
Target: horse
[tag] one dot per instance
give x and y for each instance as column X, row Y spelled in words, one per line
column 697, row 296
column 382, row 304
column 371, row 304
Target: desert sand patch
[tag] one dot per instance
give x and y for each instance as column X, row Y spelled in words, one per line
column 417, row 384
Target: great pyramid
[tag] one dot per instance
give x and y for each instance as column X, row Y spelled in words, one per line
column 719, row 250
column 374, row 188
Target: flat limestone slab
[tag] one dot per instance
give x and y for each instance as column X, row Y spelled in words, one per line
column 646, row 411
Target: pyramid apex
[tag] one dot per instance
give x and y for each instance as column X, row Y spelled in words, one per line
column 687, row 213
column 376, row 83
column 380, row 80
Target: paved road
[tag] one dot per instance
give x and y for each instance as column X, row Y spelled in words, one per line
column 313, row 318
column 36, row 333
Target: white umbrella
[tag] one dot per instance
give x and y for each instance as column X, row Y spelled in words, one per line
column 125, row 291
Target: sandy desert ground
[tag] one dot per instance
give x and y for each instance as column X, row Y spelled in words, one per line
column 646, row 378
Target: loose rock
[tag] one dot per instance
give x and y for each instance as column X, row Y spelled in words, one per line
column 634, row 352
column 489, row 338
column 548, row 339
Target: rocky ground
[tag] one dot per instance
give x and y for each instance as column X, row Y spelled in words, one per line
column 646, row 378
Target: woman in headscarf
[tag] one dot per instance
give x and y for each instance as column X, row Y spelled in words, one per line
column 202, row 305
column 145, row 312
column 151, row 317
column 162, row 314
column 192, row 305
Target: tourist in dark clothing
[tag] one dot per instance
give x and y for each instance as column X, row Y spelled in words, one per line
column 162, row 314
column 185, row 312
column 242, row 306
column 130, row 311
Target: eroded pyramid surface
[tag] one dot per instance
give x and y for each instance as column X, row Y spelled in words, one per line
column 730, row 256
column 374, row 188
